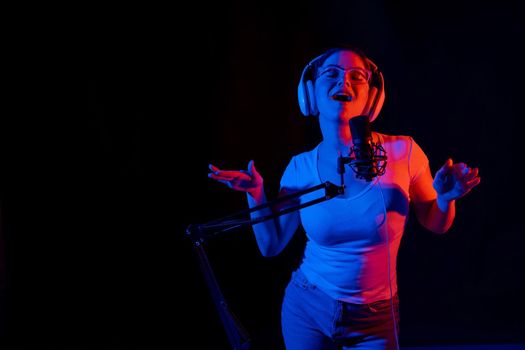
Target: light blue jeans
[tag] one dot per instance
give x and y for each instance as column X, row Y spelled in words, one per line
column 311, row 320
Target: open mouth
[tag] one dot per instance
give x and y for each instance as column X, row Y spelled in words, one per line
column 342, row 97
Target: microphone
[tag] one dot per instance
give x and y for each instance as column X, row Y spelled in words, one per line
column 367, row 159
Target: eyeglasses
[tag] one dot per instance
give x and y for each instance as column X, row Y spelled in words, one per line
column 333, row 72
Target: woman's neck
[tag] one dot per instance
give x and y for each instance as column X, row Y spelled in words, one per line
column 336, row 135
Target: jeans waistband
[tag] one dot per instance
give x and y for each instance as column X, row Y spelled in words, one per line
column 299, row 278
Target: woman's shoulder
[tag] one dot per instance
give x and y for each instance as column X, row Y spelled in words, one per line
column 389, row 138
column 398, row 146
column 306, row 156
column 300, row 171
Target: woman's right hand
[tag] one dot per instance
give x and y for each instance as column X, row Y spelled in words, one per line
column 240, row 180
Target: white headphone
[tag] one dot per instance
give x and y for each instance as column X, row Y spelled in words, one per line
column 306, row 92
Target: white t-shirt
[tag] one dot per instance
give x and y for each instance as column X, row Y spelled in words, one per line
column 346, row 253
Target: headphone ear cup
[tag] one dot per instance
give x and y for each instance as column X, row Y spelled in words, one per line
column 305, row 90
column 379, row 83
column 306, row 95
column 302, row 95
column 380, row 99
column 312, row 105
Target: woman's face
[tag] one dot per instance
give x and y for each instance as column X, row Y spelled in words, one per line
column 341, row 87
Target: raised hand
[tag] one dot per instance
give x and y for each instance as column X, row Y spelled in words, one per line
column 240, row 180
column 453, row 181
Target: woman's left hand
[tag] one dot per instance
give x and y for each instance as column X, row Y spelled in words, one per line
column 453, row 181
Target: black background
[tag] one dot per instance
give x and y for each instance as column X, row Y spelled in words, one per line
column 118, row 112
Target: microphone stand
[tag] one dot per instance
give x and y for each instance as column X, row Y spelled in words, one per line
column 201, row 233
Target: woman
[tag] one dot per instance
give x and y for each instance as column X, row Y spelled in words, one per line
column 344, row 293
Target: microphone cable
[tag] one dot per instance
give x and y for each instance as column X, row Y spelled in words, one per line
column 389, row 267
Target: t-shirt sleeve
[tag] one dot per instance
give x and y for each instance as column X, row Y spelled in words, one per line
column 289, row 177
column 417, row 160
